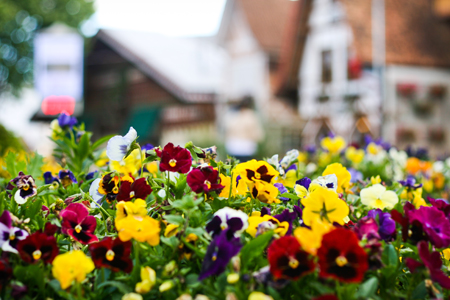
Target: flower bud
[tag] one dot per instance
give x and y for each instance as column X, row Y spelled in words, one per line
column 166, row 285
column 233, row 278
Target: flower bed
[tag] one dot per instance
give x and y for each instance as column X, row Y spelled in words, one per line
column 143, row 222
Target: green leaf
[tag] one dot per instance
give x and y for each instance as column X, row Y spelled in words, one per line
column 34, row 165
column 255, row 247
column 420, row 291
column 100, row 141
column 389, row 256
column 368, row 288
column 83, row 147
column 174, row 219
column 122, row 287
column 172, row 242
column 290, row 196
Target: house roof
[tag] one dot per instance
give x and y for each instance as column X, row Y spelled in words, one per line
column 414, row 34
column 189, row 68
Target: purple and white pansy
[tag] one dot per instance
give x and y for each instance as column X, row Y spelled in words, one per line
column 9, row 235
column 26, row 187
column 235, row 220
column 118, row 146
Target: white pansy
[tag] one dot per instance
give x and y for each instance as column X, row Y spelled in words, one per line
column 328, row 181
column 118, row 146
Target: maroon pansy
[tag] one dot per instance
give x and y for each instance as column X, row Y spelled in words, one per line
column 38, row 246
column 431, row 260
column 77, row 223
column 434, row 224
column 287, row 260
column 138, row 189
column 112, row 254
column 204, row 179
column 342, row 261
column 5, row 272
column 410, row 230
column 174, row 159
column 50, row 229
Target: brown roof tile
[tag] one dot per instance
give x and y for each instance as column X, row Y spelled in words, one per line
column 414, row 34
column 267, row 19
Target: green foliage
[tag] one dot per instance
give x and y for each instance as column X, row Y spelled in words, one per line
column 8, row 141
column 19, row 21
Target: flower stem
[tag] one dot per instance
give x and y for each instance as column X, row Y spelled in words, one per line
column 167, row 186
column 142, row 161
column 137, row 263
column 79, row 291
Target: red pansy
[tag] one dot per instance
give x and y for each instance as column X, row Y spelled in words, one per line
column 112, row 254
column 174, row 159
column 204, row 180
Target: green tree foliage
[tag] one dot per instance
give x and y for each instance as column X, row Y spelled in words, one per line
column 8, row 141
column 19, row 21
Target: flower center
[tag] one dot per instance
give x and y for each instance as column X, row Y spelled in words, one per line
column 378, row 202
column 293, row 263
column 12, row 236
column 341, row 261
column 208, row 184
column 257, row 175
column 172, row 162
column 37, row 254
column 26, row 187
column 214, row 258
column 78, row 228
column 132, row 194
column 110, row 255
column 223, row 226
column 115, row 190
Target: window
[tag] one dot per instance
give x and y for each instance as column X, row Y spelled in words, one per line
column 327, row 73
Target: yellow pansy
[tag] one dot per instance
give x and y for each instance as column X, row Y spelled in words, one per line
column 342, row 175
column 427, row 185
column 373, row 148
column 302, row 157
column 148, row 277
column 71, row 266
column 142, row 229
column 324, row 204
column 377, row 196
column 446, row 253
column 152, row 167
column 130, row 165
column 255, row 219
column 259, row 296
column 333, row 145
column 288, row 179
column 254, row 170
column 102, row 160
column 375, row 180
column 354, row 155
column 311, row 239
column 171, row 230
column 240, row 188
column 136, row 208
column 265, row 192
column 324, row 159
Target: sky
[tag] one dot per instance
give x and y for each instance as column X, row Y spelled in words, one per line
column 168, row 17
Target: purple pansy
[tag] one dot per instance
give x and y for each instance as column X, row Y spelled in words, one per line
column 235, row 221
column 385, row 145
column 26, row 187
column 49, row 178
column 386, row 226
column 282, row 189
column 367, row 228
column 9, row 235
column 65, row 120
column 410, row 183
column 305, row 182
column 355, row 175
column 220, row 251
column 287, row 216
column 441, row 204
column 434, row 224
column 91, row 175
column 67, row 177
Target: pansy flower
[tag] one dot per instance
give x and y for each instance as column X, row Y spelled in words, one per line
column 257, row 224
column 205, row 180
column 334, row 145
column 281, row 189
column 254, row 170
column 5, row 272
column 130, row 188
column 174, row 159
column 67, row 178
column 107, row 185
column 77, row 223
column 26, row 187
column 71, row 266
column 342, row 174
column 376, row 196
column 220, row 251
column 386, row 226
column 148, row 277
column 118, row 146
column 50, row 179
column 265, row 192
column 326, row 205
column 38, row 246
column 125, row 209
column 9, row 235
column 440, row 204
column 112, row 254
column 235, row 221
column 410, row 230
column 311, row 238
column 410, row 183
column 142, row 229
column 434, row 224
column 432, row 261
column 329, row 182
column 287, row 216
column 65, row 120
column 344, row 261
column 288, row 260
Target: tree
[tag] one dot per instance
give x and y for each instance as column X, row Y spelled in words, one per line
column 19, row 21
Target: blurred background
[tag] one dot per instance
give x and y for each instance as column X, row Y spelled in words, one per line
column 254, row 77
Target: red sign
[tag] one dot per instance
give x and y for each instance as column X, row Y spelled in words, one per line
column 54, row 105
